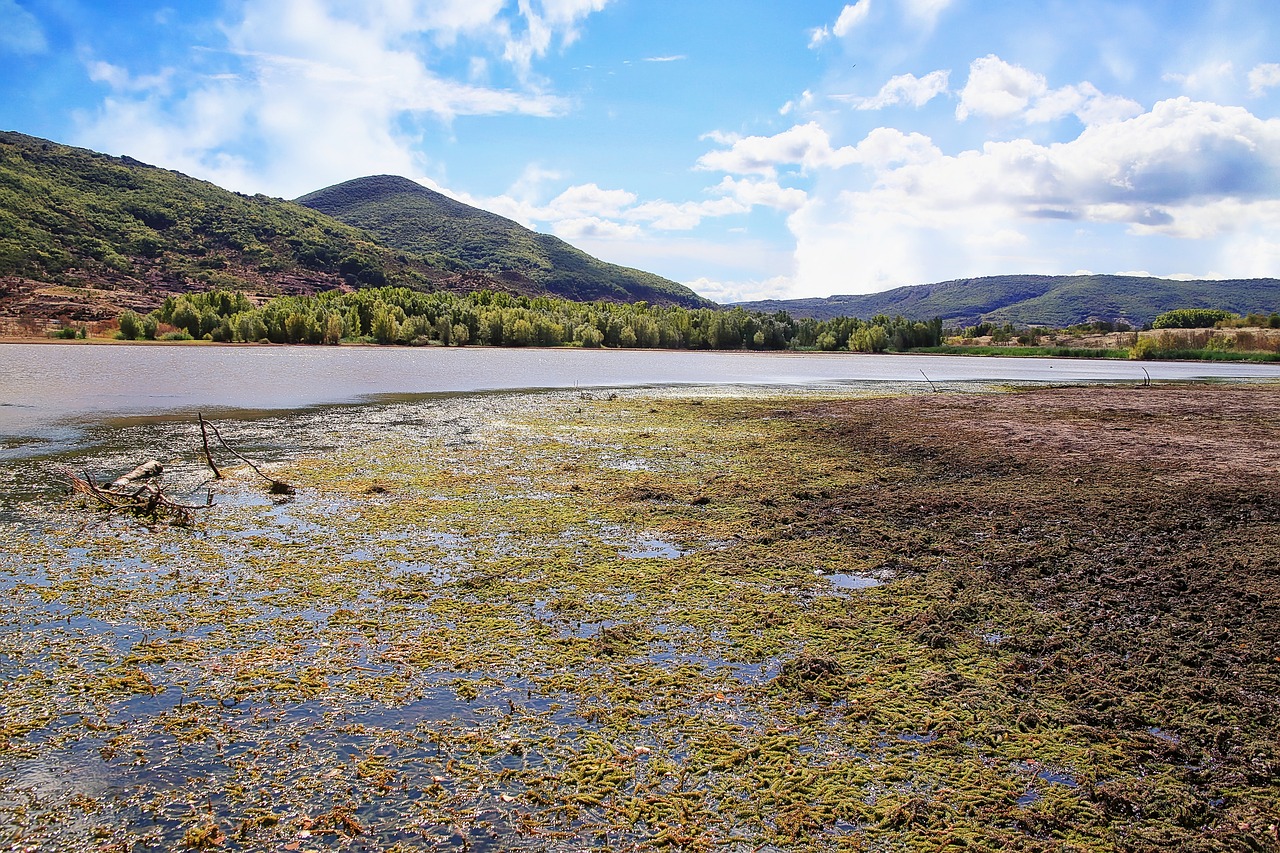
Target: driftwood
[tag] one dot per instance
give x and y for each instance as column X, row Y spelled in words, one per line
column 124, row 494
column 140, row 493
column 204, row 439
column 145, row 471
column 278, row 487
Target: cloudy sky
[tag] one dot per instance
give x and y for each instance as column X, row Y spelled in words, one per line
column 747, row 148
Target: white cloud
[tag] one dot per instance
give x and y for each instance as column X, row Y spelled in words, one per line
column 806, row 145
column 676, row 58
column 685, row 216
column 801, row 103
column 724, row 292
column 1263, row 77
column 762, row 193
column 1000, row 90
column 926, row 11
column 542, row 22
column 1186, row 170
column 595, row 228
column 323, row 90
column 589, row 200
column 850, row 17
column 121, row 80
column 1209, row 77
column 590, row 212
column 997, row 89
column 20, row 32
column 905, row 89
column 885, row 147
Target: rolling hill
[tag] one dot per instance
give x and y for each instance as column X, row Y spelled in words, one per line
column 412, row 218
column 1041, row 300
column 84, row 235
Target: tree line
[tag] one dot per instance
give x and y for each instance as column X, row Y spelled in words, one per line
column 399, row 315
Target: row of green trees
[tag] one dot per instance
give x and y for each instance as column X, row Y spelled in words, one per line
column 1209, row 318
column 397, row 315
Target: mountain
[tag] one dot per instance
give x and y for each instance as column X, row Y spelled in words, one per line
column 84, row 234
column 411, row 218
column 1041, row 300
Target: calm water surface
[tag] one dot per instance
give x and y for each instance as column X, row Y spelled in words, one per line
column 46, row 388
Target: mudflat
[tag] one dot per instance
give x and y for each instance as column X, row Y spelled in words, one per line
column 1039, row 620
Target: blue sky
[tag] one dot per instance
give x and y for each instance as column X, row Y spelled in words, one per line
column 747, row 148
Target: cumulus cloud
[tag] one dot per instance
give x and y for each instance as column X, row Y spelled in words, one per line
column 905, row 89
column 589, row 200
column 322, row 90
column 589, row 212
column 20, row 32
column 850, row 17
column 1263, row 77
column 801, row 103
column 725, row 292
column 807, row 146
column 757, row 193
column 1000, row 90
column 1186, row 169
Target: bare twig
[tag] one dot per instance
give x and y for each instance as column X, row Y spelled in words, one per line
column 930, row 381
column 277, row 487
column 204, row 437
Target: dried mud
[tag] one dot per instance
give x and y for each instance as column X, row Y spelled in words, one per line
column 567, row 622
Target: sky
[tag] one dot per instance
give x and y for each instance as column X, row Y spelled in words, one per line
column 749, row 149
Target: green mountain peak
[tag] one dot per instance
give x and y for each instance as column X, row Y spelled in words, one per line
column 409, row 217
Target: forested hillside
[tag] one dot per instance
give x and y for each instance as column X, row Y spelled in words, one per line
column 1042, row 300
column 412, row 218
column 75, row 217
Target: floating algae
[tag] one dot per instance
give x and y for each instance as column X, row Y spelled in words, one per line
column 610, row 622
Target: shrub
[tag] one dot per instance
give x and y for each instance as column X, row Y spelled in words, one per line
column 1191, row 318
column 1144, row 348
column 130, row 326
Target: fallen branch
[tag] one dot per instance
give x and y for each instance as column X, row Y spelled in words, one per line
column 148, row 469
column 278, row 487
column 204, row 437
column 147, row 501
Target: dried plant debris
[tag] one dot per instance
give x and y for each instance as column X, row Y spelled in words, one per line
column 584, row 630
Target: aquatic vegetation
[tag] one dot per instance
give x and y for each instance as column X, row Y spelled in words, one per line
column 565, row 621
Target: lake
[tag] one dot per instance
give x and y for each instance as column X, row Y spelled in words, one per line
column 47, row 388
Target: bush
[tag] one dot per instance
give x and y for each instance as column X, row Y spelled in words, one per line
column 130, row 326
column 1144, row 348
column 1191, row 318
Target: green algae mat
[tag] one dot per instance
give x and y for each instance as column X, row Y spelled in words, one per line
column 1032, row 620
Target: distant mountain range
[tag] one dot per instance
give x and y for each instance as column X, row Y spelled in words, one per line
column 1040, row 300
column 84, row 235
